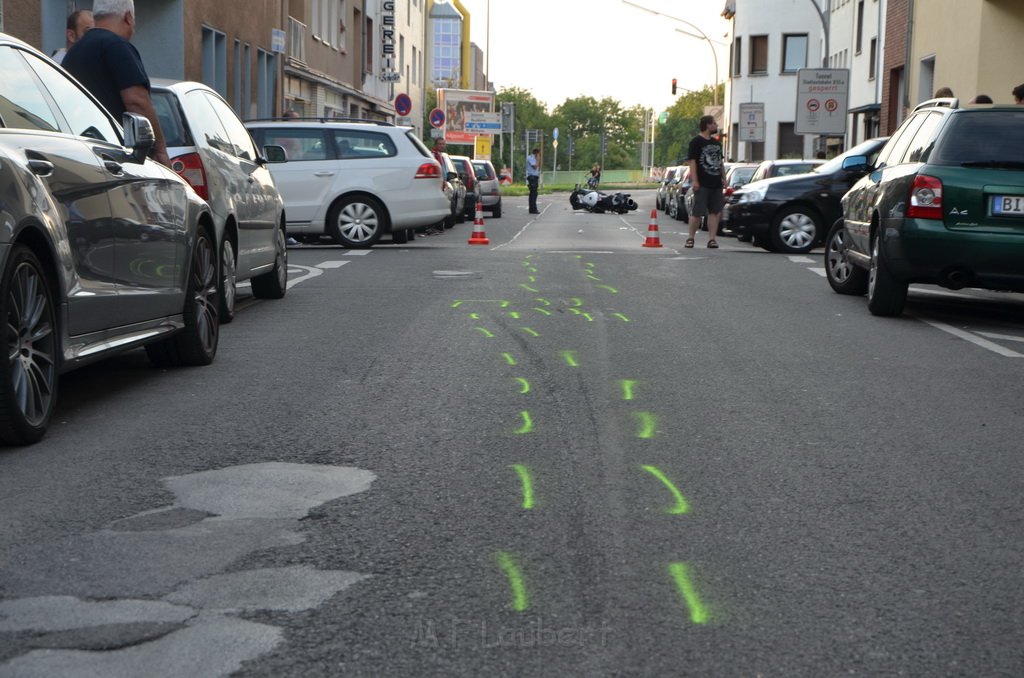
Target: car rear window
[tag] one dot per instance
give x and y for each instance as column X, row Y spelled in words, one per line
column 418, row 145
column 355, row 144
column 981, row 136
column 167, row 112
column 299, row 143
column 484, row 171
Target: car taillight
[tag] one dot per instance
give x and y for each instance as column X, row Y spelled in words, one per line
column 190, row 168
column 428, row 170
column 925, row 200
column 729, row 191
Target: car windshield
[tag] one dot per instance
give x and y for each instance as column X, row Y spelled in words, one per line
column 988, row 136
column 869, row 148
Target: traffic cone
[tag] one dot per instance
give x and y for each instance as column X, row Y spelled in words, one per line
column 653, row 239
column 479, row 237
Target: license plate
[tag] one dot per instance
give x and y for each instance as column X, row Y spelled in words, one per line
column 1007, row 205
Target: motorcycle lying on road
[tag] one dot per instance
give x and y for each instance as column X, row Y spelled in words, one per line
column 595, row 201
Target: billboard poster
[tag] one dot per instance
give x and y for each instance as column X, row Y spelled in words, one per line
column 457, row 104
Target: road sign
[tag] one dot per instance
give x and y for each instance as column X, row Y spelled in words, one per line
column 403, row 104
column 483, row 123
column 751, row 122
column 437, row 118
column 822, row 88
column 482, row 148
column 554, row 135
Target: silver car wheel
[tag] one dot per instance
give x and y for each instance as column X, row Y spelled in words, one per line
column 204, row 275
column 358, row 222
column 281, row 245
column 838, row 260
column 31, row 344
column 873, row 267
column 797, row 230
column 228, row 277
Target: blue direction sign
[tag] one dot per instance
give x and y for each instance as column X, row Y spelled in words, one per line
column 403, row 104
column 437, row 118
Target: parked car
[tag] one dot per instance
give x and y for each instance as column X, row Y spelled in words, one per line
column 768, row 169
column 738, row 175
column 353, row 181
column 942, row 204
column 660, row 196
column 102, row 250
column 675, row 197
column 457, row 193
column 489, row 187
column 210, row 148
column 791, row 213
column 467, row 175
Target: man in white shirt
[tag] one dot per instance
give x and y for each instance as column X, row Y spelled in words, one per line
column 79, row 22
column 533, row 178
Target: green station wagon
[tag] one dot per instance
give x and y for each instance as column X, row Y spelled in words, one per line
column 943, row 204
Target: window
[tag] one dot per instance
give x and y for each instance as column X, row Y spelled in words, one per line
column 794, row 53
column 299, row 144
column 241, row 143
column 340, row 26
column 860, row 26
column 315, row 26
column 360, row 144
column 926, row 81
column 247, row 82
column 215, row 60
column 369, row 45
column 25, row 106
column 758, row 54
column 239, row 64
column 892, row 152
column 921, row 145
column 206, row 126
column 873, row 59
column 791, row 144
column 266, row 83
column 737, row 57
column 415, row 66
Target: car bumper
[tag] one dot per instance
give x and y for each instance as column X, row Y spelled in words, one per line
column 749, row 218
column 925, row 251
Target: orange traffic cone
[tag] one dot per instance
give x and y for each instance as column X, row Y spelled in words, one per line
column 479, row 237
column 653, row 239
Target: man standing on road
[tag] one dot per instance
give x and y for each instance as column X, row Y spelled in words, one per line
column 707, row 172
column 533, row 178
column 79, row 22
column 110, row 67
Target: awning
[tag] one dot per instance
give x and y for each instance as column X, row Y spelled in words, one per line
column 866, row 108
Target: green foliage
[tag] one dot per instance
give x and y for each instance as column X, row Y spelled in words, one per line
column 672, row 139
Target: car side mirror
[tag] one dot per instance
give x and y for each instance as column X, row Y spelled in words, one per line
column 856, row 163
column 138, row 136
column 273, row 153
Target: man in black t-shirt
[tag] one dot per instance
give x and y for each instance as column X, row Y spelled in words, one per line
column 109, row 66
column 707, row 176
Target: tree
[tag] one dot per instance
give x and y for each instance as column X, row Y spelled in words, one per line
column 530, row 114
column 673, row 138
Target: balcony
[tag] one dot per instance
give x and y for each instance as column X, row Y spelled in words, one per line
column 297, row 40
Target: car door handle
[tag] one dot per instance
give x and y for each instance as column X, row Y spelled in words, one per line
column 323, row 174
column 42, row 168
column 113, row 167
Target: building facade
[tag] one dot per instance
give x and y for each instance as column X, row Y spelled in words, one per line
column 856, row 41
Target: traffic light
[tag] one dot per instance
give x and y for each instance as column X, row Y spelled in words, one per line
column 673, row 85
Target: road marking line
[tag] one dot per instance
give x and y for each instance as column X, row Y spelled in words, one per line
column 819, row 271
column 688, row 592
column 310, row 273
column 357, row 253
column 973, row 338
column 800, row 259
column 1003, row 337
column 681, row 506
column 332, row 264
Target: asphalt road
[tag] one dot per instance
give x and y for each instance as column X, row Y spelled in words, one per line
column 559, row 454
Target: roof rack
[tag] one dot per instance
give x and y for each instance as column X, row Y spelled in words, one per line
column 382, row 123
column 945, row 102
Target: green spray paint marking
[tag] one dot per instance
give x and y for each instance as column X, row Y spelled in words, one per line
column 609, row 288
column 524, row 386
column 509, row 358
column 527, row 426
column 543, row 301
column 589, row 317
column 532, row 269
column 513, row 314
column 541, row 310
column 532, row 333
column 621, row 317
column 681, row 506
column 698, row 613
column 524, row 478
column 529, row 256
column 528, row 288
column 627, row 388
column 501, row 302
column 515, row 580
column 575, row 311
column 474, row 316
column 486, row 333
column 570, row 358
column 647, row 424
column 532, row 278
column 593, row 277
column 576, row 301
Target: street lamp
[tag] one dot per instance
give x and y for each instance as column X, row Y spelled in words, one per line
column 702, row 36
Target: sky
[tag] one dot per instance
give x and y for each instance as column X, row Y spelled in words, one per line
column 561, row 49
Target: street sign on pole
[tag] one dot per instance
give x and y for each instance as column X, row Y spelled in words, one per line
column 403, row 104
column 483, row 123
column 751, row 122
column 822, row 100
column 437, row 118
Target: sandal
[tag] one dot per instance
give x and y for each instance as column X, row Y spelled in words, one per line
column 689, row 243
column 713, row 244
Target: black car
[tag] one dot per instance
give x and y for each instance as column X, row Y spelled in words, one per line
column 792, row 214
column 675, row 197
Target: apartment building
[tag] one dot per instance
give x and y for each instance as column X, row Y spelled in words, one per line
column 856, row 33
